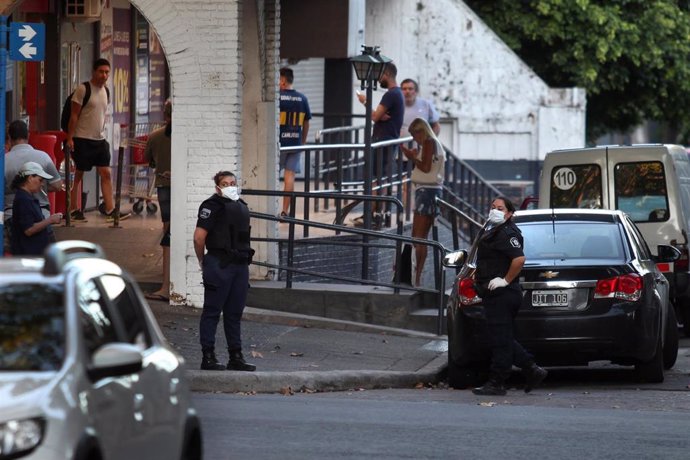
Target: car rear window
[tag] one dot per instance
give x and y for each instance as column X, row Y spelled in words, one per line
column 641, row 191
column 576, row 186
column 32, row 327
column 572, row 240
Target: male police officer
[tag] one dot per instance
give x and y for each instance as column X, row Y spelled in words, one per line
column 223, row 229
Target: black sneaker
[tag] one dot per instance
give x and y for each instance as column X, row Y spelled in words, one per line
column 534, row 375
column 490, row 388
column 110, row 217
column 209, row 362
column 77, row 216
column 237, row 363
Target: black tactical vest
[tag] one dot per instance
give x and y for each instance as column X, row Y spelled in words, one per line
column 231, row 233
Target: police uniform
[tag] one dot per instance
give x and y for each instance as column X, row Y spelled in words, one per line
column 497, row 247
column 225, row 270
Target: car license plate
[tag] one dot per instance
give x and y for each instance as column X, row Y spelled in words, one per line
column 550, row 298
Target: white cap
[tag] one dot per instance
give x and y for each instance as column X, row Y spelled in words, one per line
column 31, row 168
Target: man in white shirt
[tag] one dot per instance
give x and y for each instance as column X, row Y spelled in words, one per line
column 86, row 138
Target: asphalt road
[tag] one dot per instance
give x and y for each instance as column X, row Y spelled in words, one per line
column 596, row 412
column 419, row 424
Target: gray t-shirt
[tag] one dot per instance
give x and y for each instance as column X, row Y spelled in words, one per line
column 420, row 109
column 20, row 154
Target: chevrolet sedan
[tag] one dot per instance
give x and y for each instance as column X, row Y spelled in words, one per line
column 591, row 291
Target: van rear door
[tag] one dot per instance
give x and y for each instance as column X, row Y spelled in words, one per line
column 575, row 179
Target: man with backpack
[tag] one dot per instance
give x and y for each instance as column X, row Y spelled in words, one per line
column 86, row 139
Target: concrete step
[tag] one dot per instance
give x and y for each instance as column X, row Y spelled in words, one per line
column 362, row 304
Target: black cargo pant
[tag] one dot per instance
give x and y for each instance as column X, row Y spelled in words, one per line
column 500, row 310
column 225, row 290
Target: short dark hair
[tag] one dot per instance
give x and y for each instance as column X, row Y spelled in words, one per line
column 288, row 74
column 18, row 130
column 220, row 174
column 99, row 62
column 409, row 80
column 391, row 70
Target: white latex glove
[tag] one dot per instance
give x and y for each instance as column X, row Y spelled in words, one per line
column 497, row 283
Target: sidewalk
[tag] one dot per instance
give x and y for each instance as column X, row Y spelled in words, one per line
column 299, row 353
column 292, row 352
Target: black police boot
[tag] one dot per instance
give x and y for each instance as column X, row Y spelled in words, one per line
column 210, row 363
column 494, row 387
column 237, row 362
column 534, row 375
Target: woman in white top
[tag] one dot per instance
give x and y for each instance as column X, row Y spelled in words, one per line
column 427, row 178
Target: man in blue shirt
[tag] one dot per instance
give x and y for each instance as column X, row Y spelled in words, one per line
column 294, row 128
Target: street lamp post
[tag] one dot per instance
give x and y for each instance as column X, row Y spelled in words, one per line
column 369, row 66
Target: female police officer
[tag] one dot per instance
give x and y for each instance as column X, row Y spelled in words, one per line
column 223, row 228
column 499, row 262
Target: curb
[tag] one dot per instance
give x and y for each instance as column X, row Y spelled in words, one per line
column 288, row 382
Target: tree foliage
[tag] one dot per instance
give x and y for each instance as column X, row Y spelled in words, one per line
column 632, row 56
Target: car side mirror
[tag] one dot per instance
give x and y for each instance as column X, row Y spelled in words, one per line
column 667, row 253
column 455, row 259
column 114, row 360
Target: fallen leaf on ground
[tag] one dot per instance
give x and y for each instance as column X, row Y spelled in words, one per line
column 487, row 404
column 419, row 385
column 256, row 354
column 287, row 391
column 147, row 255
column 296, row 354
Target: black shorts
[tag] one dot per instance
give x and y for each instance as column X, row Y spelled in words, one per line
column 89, row 153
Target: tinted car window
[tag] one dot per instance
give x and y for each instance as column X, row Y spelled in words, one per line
column 637, row 237
column 32, row 327
column 97, row 324
column 572, row 240
column 576, row 186
column 121, row 294
column 640, row 190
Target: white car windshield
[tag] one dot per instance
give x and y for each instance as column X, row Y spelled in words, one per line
column 32, row 327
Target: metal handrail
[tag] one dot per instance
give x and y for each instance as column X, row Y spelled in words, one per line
column 437, row 248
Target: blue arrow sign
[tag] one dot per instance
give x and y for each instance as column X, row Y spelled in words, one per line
column 27, row 41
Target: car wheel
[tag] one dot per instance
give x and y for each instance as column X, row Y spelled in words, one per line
column 652, row 371
column 138, row 207
column 463, row 377
column 193, row 444
column 671, row 339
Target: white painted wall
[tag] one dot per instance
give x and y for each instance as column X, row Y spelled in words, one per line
column 503, row 110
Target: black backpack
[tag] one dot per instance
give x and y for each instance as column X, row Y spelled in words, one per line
column 67, row 106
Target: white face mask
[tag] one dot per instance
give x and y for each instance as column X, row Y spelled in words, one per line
column 496, row 217
column 231, row 192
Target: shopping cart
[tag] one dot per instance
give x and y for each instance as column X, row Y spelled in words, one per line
column 140, row 180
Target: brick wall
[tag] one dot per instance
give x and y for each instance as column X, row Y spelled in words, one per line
column 202, row 43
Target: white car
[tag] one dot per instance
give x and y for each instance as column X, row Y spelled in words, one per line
column 85, row 372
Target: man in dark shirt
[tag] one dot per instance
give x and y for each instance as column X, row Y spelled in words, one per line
column 388, row 119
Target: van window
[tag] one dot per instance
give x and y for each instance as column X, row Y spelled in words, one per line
column 640, row 191
column 576, row 186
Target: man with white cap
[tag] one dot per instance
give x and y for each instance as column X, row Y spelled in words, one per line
column 30, row 230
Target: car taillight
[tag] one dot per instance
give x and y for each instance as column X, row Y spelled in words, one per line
column 626, row 287
column 466, row 292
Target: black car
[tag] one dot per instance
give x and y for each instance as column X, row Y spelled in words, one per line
column 591, row 291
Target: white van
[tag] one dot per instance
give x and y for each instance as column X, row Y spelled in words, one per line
column 650, row 182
